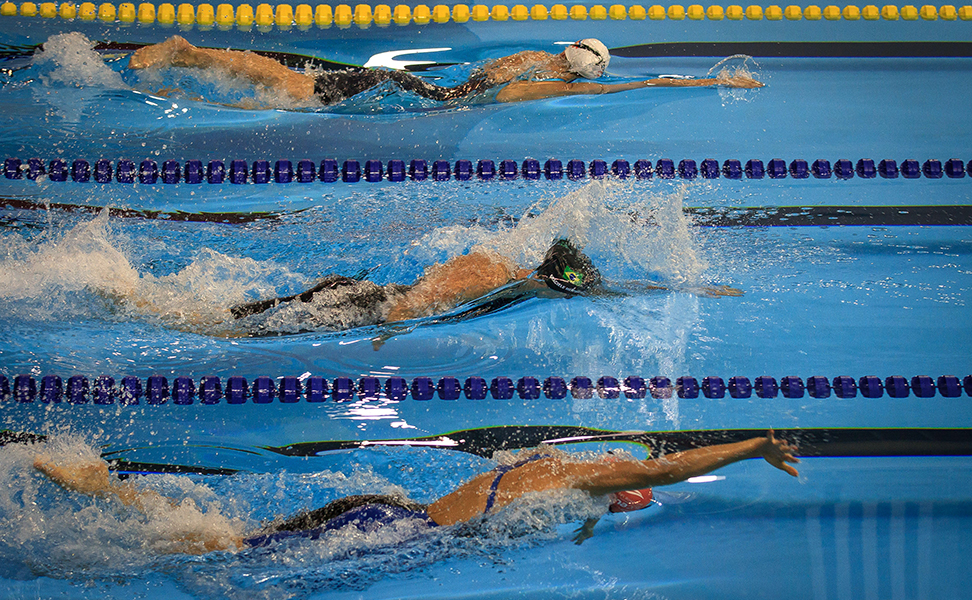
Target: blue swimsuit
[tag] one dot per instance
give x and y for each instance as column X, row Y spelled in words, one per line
column 370, row 517
column 367, row 518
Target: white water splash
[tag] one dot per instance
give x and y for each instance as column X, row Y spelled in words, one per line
column 87, row 271
column 737, row 65
column 68, row 59
column 629, row 234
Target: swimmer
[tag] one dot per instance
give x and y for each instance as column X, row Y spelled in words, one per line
column 530, row 75
column 565, row 270
column 484, row 494
column 338, row 303
column 443, row 287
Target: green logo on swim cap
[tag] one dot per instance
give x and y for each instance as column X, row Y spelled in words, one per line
column 567, row 270
column 573, row 277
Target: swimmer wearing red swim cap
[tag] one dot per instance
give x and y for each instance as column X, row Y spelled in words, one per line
column 480, row 495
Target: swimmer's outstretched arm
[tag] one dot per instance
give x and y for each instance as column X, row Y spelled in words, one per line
column 715, row 291
column 518, row 91
column 602, row 478
column 177, row 52
column 606, row 478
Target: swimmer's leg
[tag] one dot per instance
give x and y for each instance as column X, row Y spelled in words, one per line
column 177, row 52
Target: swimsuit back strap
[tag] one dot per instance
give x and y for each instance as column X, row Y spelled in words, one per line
column 503, row 470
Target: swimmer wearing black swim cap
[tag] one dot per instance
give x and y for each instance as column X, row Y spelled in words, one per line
column 568, row 270
column 343, row 302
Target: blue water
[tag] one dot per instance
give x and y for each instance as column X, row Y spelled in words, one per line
column 864, row 300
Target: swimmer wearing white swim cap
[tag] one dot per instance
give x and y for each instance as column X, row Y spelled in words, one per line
column 527, row 75
column 588, row 58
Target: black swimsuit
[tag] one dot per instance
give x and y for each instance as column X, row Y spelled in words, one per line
column 333, row 87
column 336, row 303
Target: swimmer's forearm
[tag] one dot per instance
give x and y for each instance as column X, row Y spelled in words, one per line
column 679, row 466
column 519, row 91
column 679, row 82
column 736, row 81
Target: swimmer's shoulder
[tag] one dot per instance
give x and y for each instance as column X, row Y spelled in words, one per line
column 528, row 59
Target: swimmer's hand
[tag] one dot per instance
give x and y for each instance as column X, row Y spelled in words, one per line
column 716, row 291
column 719, row 291
column 585, row 531
column 90, row 478
column 778, row 453
column 741, row 81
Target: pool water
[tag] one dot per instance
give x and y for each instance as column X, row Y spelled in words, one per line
column 819, row 299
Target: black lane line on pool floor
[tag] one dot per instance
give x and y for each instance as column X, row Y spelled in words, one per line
column 930, row 49
column 234, row 218
column 817, row 442
column 780, row 216
column 807, row 49
column 799, row 216
column 811, row 443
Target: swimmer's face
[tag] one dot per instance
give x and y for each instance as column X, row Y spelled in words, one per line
column 596, row 71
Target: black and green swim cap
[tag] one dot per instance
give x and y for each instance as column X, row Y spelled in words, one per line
column 568, row 270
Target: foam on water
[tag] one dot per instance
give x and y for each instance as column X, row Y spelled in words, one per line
column 86, row 270
column 630, row 235
column 68, row 59
column 53, row 533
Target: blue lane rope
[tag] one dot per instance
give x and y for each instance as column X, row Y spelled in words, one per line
column 264, row 390
column 353, row 171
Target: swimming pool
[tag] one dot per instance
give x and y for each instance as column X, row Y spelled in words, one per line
column 843, row 275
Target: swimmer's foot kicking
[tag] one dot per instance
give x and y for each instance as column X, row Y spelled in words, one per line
column 530, row 75
column 481, row 495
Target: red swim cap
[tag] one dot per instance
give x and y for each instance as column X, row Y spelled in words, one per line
column 630, row 500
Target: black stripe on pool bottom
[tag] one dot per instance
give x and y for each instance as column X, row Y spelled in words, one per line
column 818, row 442
column 806, row 216
column 781, row 216
column 177, row 215
column 800, row 49
column 926, row 49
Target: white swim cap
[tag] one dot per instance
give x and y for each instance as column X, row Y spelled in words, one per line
column 588, row 58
